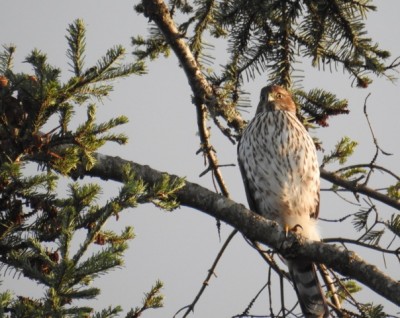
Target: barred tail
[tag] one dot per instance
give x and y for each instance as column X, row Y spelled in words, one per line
column 308, row 289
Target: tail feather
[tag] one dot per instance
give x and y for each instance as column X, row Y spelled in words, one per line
column 308, row 289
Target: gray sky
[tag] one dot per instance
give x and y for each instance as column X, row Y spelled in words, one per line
column 179, row 247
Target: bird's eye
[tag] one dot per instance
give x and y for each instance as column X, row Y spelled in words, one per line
column 279, row 95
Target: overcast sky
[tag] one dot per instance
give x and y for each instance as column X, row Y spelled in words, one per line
column 178, row 248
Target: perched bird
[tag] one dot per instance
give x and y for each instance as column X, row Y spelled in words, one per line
column 279, row 166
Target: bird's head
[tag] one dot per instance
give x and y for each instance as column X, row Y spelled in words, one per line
column 274, row 97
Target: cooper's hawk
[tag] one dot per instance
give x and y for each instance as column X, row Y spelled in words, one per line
column 279, row 166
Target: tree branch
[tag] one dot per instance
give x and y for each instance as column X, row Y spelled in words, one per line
column 257, row 228
column 370, row 166
column 208, row 149
column 157, row 11
column 359, row 243
column 359, row 188
column 211, row 272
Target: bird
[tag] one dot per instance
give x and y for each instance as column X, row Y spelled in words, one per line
column 279, row 167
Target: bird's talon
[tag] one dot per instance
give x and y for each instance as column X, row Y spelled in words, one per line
column 287, row 229
column 293, row 229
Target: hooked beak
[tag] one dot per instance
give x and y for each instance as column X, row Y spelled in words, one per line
column 270, row 98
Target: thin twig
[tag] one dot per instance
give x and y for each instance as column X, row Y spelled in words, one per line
column 211, row 272
column 349, row 296
column 347, row 200
column 282, row 297
column 208, row 149
column 226, row 131
column 269, row 283
column 336, row 220
column 356, row 242
column 270, row 261
column 359, row 188
column 394, row 64
column 375, row 141
column 370, row 166
column 330, row 285
column 247, row 310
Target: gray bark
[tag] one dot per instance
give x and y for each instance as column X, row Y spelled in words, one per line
column 257, row 228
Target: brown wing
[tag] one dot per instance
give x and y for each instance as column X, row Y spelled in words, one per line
column 250, row 199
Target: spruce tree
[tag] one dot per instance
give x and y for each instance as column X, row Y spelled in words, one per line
column 40, row 225
column 42, row 141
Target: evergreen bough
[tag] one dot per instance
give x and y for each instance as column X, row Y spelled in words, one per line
column 41, row 223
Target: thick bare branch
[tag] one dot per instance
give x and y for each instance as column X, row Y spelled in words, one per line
column 259, row 229
column 157, row 11
column 203, row 92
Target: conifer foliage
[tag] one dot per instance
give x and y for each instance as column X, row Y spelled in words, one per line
column 56, row 236
column 41, row 225
column 272, row 39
